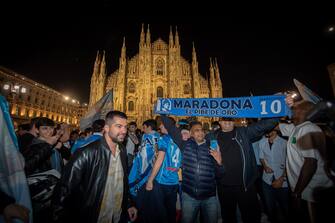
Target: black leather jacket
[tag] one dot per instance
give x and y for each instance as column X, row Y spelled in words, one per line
column 37, row 157
column 80, row 191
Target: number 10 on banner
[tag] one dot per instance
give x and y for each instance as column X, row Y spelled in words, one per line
column 274, row 107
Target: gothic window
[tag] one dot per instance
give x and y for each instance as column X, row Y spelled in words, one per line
column 159, row 92
column 160, row 67
column 187, row 89
column 131, row 106
column 131, row 88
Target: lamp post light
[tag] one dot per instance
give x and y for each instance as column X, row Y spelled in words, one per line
column 11, row 90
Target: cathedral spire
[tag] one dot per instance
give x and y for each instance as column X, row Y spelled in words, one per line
column 142, row 37
column 123, row 56
column 211, row 71
column 102, row 73
column 217, row 71
column 177, row 37
column 103, row 61
column 212, row 81
column 123, row 50
column 194, row 54
column 96, row 64
column 171, row 37
column 148, row 40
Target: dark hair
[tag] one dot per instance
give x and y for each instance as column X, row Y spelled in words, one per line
column 33, row 122
column 98, row 125
column 215, row 123
column 25, row 127
column 152, row 123
column 226, row 119
column 172, row 120
column 74, row 132
column 184, row 127
column 110, row 115
column 132, row 123
column 88, row 130
column 193, row 123
column 43, row 121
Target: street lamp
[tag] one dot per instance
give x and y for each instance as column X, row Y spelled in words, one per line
column 14, row 89
column 11, row 90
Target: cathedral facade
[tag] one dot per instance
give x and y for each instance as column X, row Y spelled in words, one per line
column 157, row 71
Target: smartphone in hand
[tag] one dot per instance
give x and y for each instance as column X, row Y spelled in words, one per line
column 214, row 144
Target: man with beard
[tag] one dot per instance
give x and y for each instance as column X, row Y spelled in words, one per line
column 94, row 185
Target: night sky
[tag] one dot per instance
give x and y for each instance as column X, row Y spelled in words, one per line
column 257, row 52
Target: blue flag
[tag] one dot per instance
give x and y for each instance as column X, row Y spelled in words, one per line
column 12, row 177
column 243, row 107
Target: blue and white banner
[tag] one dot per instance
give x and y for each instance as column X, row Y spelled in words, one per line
column 242, row 107
column 13, row 180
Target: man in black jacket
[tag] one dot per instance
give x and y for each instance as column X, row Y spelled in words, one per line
column 237, row 185
column 200, row 167
column 94, row 184
column 38, row 155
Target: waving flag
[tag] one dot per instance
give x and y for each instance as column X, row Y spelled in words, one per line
column 306, row 93
column 12, row 177
column 97, row 111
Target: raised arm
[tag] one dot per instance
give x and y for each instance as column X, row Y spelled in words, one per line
column 173, row 131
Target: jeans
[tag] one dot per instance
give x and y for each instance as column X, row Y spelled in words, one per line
column 273, row 196
column 231, row 196
column 157, row 205
column 192, row 206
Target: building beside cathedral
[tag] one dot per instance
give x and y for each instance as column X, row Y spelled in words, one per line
column 29, row 99
column 158, row 70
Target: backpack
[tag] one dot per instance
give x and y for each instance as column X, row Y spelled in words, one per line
column 41, row 187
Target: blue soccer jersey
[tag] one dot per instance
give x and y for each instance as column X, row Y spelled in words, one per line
column 168, row 173
column 143, row 162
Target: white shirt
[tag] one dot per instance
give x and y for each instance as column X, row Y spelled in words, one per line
column 130, row 146
column 296, row 155
column 111, row 206
column 274, row 158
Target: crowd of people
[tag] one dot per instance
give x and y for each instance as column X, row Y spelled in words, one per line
column 176, row 171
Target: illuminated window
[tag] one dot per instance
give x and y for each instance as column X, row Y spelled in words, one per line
column 159, row 92
column 131, row 88
column 160, row 67
column 187, row 89
column 131, row 106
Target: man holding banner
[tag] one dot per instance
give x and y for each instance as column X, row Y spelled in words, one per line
column 236, row 186
column 200, row 166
